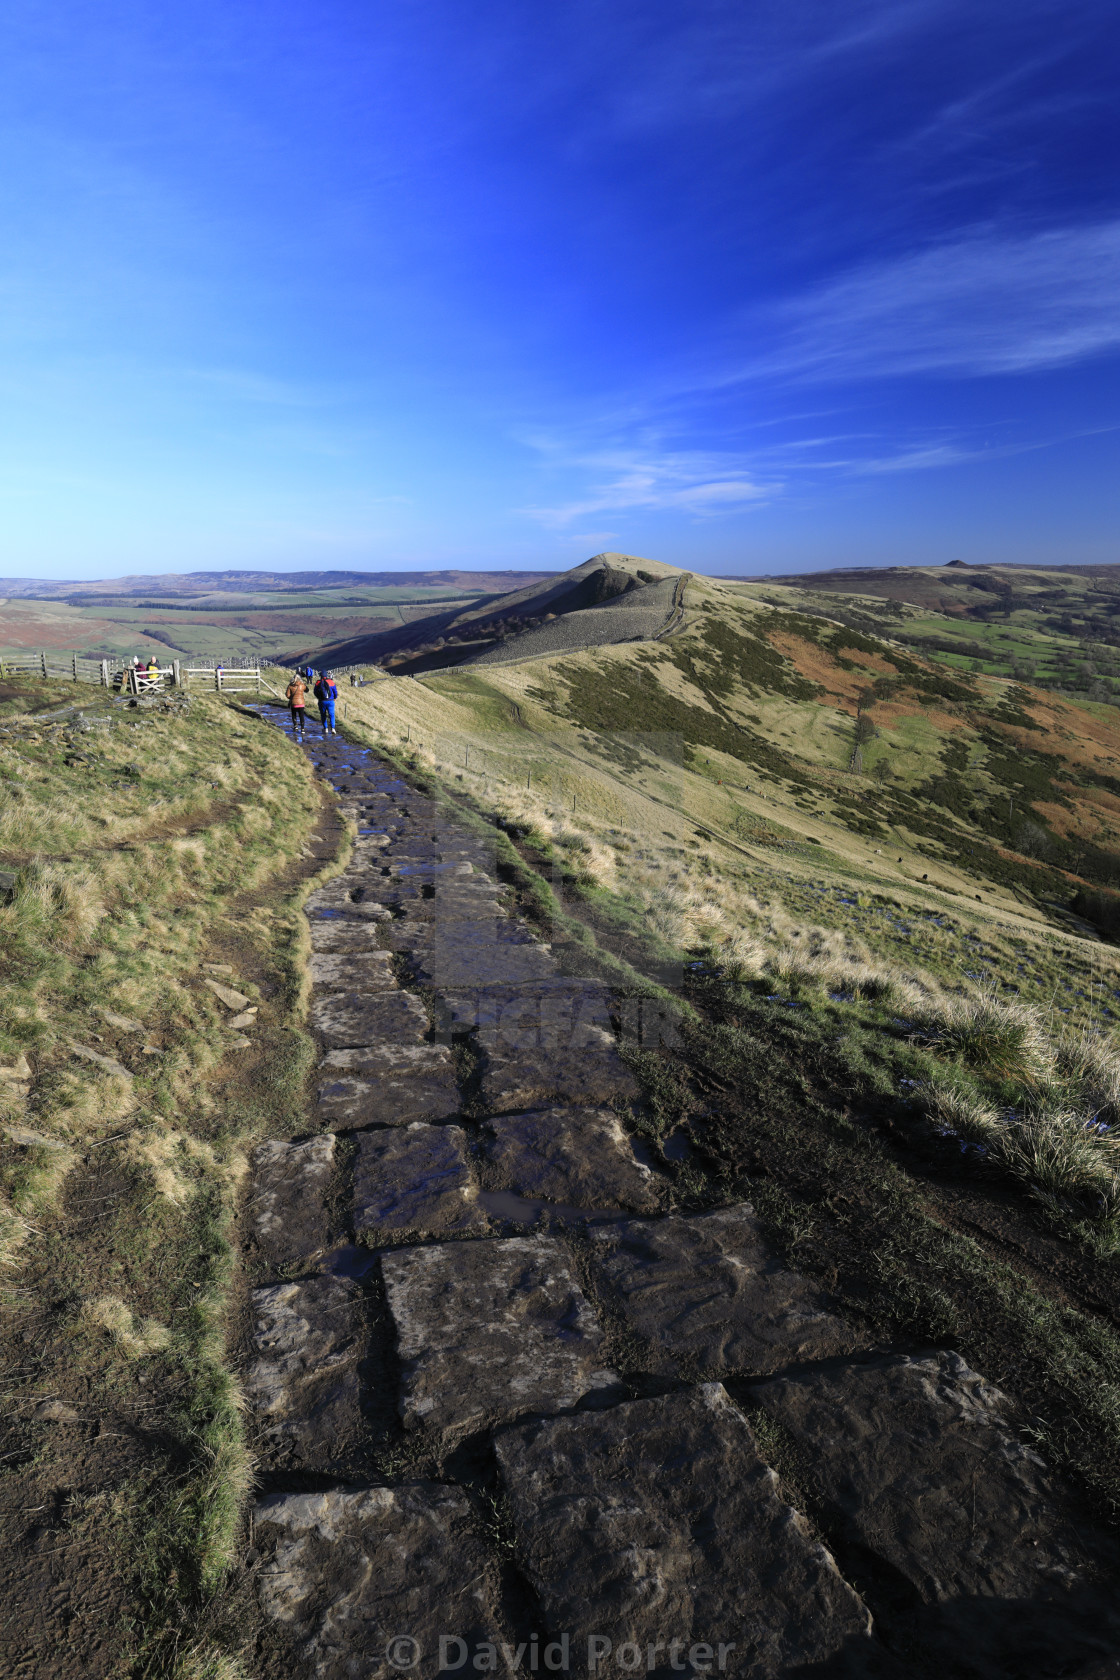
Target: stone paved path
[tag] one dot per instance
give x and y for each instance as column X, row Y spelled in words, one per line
column 641, row 1528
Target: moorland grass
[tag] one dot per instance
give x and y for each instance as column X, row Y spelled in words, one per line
column 127, row 886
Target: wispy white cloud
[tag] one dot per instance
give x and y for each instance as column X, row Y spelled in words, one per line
column 980, row 304
column 624, row 480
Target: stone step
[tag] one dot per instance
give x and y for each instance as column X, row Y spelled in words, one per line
column 387, row 1085
column 288, row 1201
column 344, row 935
column 913, row 1462
column 479, row 952
column 353, row 1019
column 587, row 1072
column 710, row 1290
column 355, row 971
column 306, row 1340
column 577, row 1156
column 345, row 1572
column 656, row 1526
column 417, row 1180
column 489, row 1329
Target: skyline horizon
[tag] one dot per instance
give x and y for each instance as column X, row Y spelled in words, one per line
column 389, row 575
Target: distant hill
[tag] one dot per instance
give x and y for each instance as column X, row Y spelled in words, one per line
column 463, row 633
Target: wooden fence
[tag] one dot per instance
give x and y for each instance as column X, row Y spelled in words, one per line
column 136, row 679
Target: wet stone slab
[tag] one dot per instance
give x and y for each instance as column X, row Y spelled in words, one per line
column 578, row 1156
column 710, row 1290
column 344, row 935
column 387, row 1085
column 544, row 1011
column 913, row 1461
column 417, row 1179
column 454, row 903
column 302, row 1383
column 657, row 1522
column 593, row 1073
column 345, row 910
column 287, row 1209
column 355, row 971
column 479, row 952
column 358, row 1018
column 489, row 1329
column 345, row 1571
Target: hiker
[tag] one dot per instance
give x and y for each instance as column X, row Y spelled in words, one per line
column 296, row 696
column 326, row 692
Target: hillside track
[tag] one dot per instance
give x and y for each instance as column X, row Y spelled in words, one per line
column 508, row 1394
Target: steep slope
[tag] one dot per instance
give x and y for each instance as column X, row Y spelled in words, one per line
column 450, row 637
column 838, row 744
column 639, row 614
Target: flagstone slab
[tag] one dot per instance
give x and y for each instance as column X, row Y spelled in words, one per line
column 709, row 1289
column 416, row 1179
column 357, row 1018
column 592, row 1072
column 302, row 1385
column 287, row 1208
column 355, row 971
column 914, row 1461
column 344, row 935
column 387, row 1085
column 527, row 1014
column 346, row 1571
column 580, row 1157
column 457, row 898
column 344, row 910
column 656, row 1523
column 479, row 952
column 489, row 1329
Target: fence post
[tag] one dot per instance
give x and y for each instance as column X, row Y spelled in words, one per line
column 104, row 673
column 74, row 666
column 43, row 660
column 218, row 678
column 176, row 676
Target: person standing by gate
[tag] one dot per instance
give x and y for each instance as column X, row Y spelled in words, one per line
column 296, row 696
column 326, row 692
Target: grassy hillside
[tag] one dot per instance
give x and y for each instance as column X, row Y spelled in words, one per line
column 904, row 1054
column 148, row 853
column 1057, row 628
column 813, row 808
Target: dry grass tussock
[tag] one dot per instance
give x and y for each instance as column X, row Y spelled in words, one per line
column 178, row 1163
column 203, row 1664
column 83, row 1103
column 808, row 958
column 67, row 902
column 136, row 1337
column 995, row 1036
column 1059, row 1133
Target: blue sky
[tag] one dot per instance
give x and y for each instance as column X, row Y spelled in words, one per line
column 746, row 285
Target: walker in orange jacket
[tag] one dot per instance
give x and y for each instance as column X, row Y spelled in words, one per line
column 296, row 696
